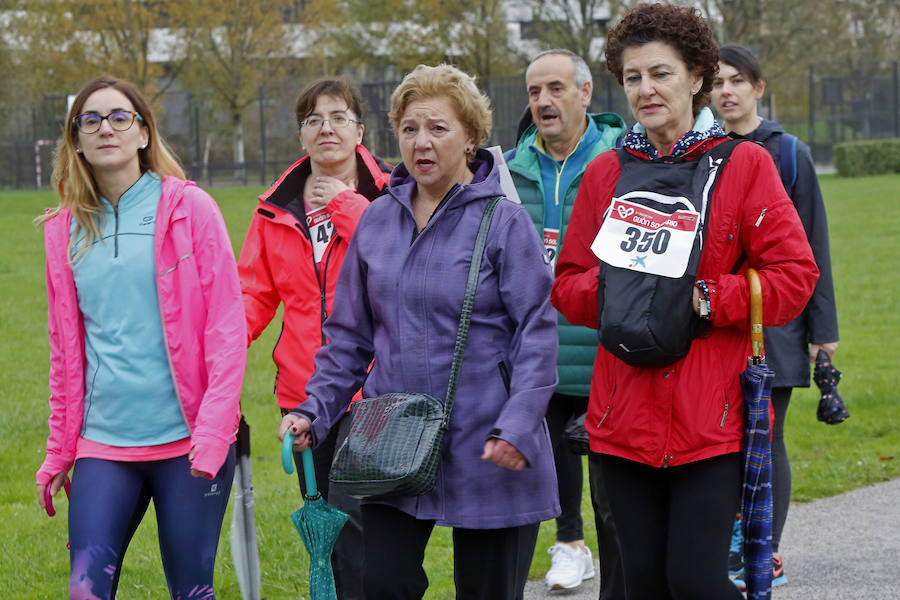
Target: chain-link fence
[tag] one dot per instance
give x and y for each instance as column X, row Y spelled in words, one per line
column 836, row 109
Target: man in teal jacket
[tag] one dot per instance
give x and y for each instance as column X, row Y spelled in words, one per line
column 546, row 167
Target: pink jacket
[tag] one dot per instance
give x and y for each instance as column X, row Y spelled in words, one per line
column 203, row 325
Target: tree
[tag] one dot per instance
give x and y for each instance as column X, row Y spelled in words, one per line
column 81, row 39
column 232, row 47
column 393, row 36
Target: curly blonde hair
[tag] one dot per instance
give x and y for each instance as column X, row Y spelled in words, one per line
column 472, row 106
column 73, row 176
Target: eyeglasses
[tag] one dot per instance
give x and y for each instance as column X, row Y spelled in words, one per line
column 120, row 120
column 336, row 121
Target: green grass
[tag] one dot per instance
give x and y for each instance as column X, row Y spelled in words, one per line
column 864, row 218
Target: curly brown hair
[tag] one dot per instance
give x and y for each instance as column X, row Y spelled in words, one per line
column 681, row 27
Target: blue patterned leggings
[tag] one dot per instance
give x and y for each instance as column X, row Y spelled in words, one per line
column 107, row 503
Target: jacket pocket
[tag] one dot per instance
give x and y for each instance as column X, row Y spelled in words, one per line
column 504, row 375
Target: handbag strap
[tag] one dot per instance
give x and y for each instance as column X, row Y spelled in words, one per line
column 465, row 316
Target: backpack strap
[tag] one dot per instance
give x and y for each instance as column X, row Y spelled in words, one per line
column 788, row 161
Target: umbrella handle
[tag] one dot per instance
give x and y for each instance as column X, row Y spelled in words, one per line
column 756, row 314
column 287, row 453
column 48, row 499
column 309, row 470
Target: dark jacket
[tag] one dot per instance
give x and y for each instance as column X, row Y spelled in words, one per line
column 787, row 346
column 577, row 345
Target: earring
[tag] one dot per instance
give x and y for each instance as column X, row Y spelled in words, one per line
column 78, row 150
column 468, row 150
column 144, row 146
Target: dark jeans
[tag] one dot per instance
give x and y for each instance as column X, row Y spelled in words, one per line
column 348, row 558
column 781, row 466
column 674, row 525
column 488, row 564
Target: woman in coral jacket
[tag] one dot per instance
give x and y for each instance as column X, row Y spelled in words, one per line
column 292, row 255
column 147, row 347
column 667, row 438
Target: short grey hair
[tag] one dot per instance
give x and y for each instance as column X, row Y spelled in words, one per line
column 582, row 72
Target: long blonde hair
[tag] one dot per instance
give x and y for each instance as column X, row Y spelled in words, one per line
column 73, row 176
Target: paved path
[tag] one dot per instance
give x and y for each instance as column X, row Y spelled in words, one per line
column 842, row 548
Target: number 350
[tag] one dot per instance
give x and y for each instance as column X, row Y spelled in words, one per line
column 657, row 241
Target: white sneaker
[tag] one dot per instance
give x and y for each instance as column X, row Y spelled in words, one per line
column 568, row 567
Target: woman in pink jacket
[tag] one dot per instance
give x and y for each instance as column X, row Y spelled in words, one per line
column 147, row 347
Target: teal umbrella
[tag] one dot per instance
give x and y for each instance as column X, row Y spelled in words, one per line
column 318, row 522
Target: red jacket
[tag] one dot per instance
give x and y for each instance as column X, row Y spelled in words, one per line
column 692, row 409
column 276, row 266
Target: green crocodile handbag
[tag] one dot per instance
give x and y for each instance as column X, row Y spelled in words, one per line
column 394, row 444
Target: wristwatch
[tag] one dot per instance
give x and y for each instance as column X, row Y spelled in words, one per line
column 704, row 308
column 704, row 299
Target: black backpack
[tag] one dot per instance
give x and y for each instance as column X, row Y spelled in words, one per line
column 648, row 320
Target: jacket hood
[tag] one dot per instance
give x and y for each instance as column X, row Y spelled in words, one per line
column 602, row 120
column 372, row 176
column 485, row 183
column 766, row 130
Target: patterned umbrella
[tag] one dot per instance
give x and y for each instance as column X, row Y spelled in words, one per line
column 756, row 502
column 318, row 523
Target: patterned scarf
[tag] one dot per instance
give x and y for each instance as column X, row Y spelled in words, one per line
column 704, row 127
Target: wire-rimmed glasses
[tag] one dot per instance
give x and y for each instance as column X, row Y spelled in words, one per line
column 337, row 121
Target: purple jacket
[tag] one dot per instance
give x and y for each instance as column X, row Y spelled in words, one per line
column 398, row 301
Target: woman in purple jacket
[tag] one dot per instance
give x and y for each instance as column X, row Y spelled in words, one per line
column 398, row 301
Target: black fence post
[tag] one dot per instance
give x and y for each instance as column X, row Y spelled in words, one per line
column 896, row 95
column 812, row 110
column 262, row 137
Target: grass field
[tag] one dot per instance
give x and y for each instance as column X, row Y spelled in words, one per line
column 864, row 218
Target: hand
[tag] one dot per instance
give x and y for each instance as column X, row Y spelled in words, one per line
column 695, row 301
column 299, row 428
column 196, row 473
column 829, row 347
column 503, row 454
column 55, row 484
column 325, row 188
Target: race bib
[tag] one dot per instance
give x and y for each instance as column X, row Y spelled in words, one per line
column 551, row 246
column 634, row 236
column 321, row 230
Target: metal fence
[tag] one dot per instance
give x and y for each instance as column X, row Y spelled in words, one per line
column 839, row 108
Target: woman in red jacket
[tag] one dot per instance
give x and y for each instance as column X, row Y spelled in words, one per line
column 292, row 255
column 661, row 233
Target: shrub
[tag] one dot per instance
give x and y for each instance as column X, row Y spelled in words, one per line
column 869, row 157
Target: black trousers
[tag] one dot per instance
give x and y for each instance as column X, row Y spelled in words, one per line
column 781, row 466
column 569, row 475
column 488, row 564
column 348, row 558
column 674, row 525
column 612, row 578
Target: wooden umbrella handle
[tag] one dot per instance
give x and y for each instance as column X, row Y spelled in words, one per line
column 756, row 314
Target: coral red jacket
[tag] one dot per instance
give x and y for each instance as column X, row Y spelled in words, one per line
column 692, row 409
column 276, row 266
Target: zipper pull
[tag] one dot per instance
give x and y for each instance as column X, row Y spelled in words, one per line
column 761, row 215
